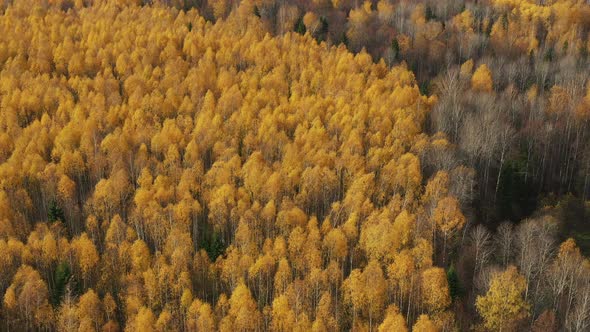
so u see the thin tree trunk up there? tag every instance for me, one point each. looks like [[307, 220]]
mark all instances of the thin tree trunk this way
[[499, 174]]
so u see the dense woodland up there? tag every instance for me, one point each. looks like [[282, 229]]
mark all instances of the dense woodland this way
[[264, 165]]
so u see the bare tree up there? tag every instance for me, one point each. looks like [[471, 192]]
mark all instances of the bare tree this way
[[579, 318], [480, 238], [568, 279], [449, 112], [506, 136], [462, 184], [504, 241], [534, 244]]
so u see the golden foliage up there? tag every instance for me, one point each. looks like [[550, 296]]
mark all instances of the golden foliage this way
[[482, 79], [504, 304]]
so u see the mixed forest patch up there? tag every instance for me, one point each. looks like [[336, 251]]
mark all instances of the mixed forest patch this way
[[294, 165]]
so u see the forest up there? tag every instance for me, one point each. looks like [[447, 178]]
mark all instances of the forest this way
[[303, 165]]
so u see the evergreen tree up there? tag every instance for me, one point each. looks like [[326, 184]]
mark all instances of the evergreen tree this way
[[454, 283], [395, 48], [299, 26], [62, 275], [55, 213]]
